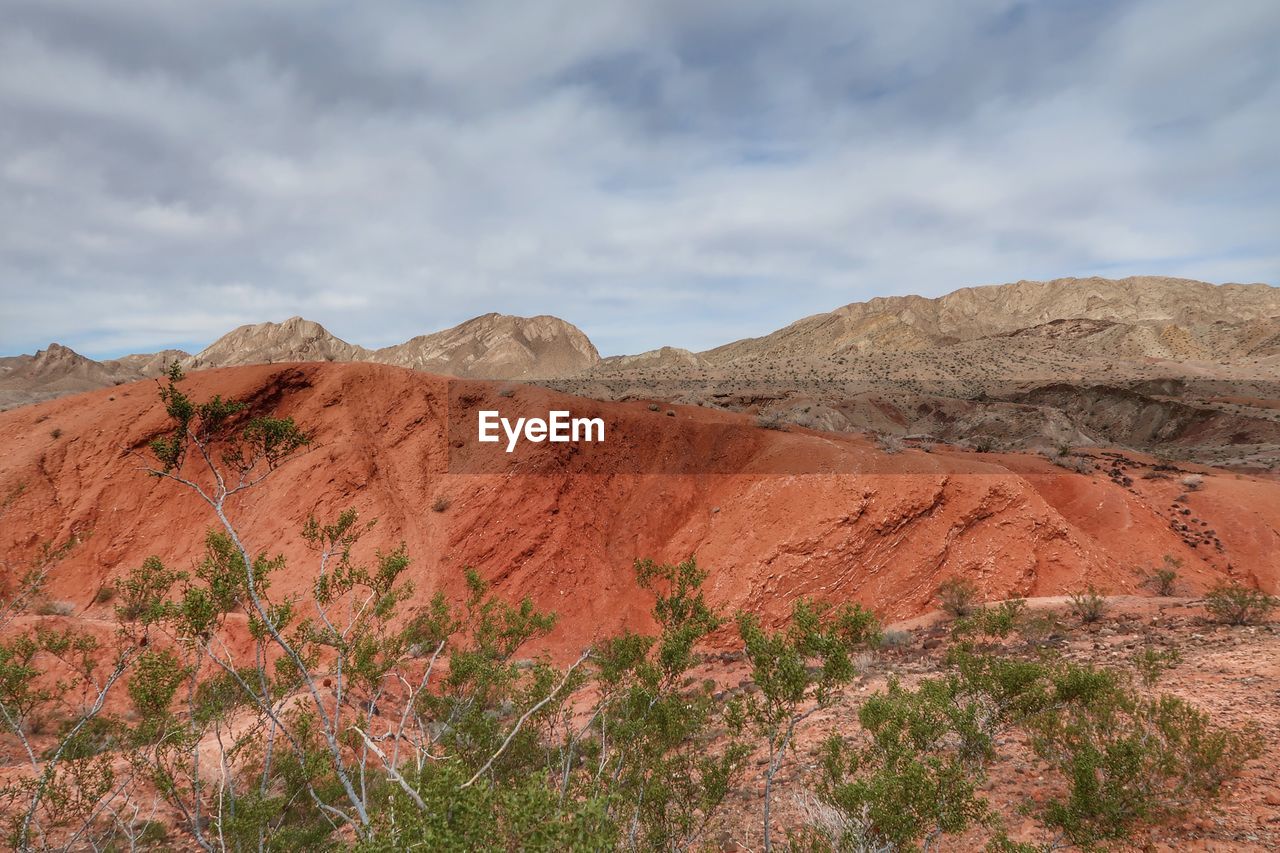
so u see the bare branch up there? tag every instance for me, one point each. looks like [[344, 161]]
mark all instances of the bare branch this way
[[527, 714]]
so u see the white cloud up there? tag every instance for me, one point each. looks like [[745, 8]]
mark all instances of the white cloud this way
[[659, 173]]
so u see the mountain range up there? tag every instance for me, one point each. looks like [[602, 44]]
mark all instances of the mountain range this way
[[1135, 362], [493, 346]]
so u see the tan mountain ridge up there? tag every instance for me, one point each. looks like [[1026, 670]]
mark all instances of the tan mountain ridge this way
[[915, 322], [498, 346], [295, 339], [663, 358], [1149, 362], [492, 346], [59, 370], [147, 364]]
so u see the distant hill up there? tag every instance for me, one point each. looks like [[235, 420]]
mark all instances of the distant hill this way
[[295, 339], [914, 322], [964, 367], [58, 371], [494, 346], [498, 346]]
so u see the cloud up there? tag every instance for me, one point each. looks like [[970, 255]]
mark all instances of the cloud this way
[[658, 173]]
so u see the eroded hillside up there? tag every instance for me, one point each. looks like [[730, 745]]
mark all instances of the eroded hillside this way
[[774, 514]]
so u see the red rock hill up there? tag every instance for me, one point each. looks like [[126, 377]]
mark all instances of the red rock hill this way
[[772, 514]]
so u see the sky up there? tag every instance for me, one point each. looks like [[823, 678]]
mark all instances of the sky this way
[[658, 173]]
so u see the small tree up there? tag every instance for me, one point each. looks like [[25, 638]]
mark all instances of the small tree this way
[[802, 664]]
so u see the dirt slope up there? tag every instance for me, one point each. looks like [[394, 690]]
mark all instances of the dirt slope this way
[[772, 514]]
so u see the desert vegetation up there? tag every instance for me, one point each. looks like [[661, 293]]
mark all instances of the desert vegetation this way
[[215, 714], [1236, 604]]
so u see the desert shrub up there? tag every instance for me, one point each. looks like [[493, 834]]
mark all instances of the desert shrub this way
[[105, 594], [1235, 604], [910, 781], [1163, 581], [1124, 759], [889, 444], [669, 780], [95, 737], [441, 504], [154, 681], [149, 833], [1088, 605], [998, 621], [142, 592], [55, 608], [771, 420], [1070, 461], [958, 596], [1127, 761], [895, 638], [1152, 663], [824, 828], [1040, 627], [654, 407], [524, 813], [803, 663]]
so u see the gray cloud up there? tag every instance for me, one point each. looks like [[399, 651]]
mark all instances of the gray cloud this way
[[655, 172]]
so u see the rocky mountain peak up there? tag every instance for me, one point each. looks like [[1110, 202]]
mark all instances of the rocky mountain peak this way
[[296, 339], [495, 346]]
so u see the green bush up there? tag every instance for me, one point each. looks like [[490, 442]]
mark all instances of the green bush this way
[[1129, 761], [999, 621], [1234, 604], [1163, 581], [908, 782], [1152, 663], [800, 665]]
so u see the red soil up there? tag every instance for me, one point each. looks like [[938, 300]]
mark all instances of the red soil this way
[[773, 515]]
